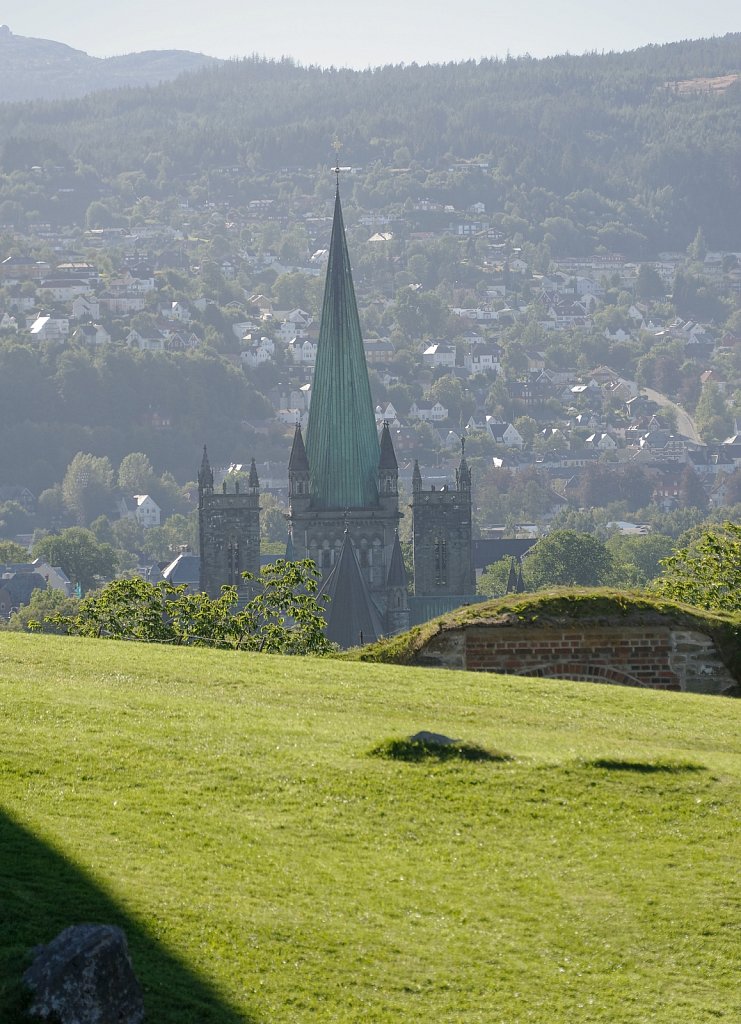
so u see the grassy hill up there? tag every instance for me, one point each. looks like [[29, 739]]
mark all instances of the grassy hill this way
[[225, 809]]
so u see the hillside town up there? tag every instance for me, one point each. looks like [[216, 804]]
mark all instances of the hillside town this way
[[568, 378]]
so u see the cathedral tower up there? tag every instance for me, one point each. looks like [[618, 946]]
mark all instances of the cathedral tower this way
[[343, 493], [442, 532], [229, 530]]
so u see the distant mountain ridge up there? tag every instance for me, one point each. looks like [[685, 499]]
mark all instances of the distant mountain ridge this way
[[34, 69]]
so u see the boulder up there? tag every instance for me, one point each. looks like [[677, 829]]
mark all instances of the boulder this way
[[434, 738], [85, 976]]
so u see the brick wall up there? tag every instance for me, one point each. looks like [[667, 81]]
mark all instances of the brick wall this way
[[659, 657]]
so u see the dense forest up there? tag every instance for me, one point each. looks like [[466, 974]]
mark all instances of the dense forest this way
[[630, 151], [57, 401]]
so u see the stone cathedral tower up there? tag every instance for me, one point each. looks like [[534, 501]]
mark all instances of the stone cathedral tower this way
[[229, 530], [343, 482], [443, 548]]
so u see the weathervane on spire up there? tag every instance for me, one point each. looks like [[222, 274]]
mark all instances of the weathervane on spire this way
[[337, 146]]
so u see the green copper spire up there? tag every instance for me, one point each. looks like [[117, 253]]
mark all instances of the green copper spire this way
[[341, 442]]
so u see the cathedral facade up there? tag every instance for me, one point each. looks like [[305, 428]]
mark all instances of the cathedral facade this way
[[343, 497]]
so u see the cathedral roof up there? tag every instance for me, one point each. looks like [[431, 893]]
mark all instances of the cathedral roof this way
[[342, 443], [351, 613]]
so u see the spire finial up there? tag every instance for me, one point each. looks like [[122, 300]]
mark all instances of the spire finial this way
[[337, 146]]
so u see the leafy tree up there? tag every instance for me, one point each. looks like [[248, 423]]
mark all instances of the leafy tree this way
[[162, 543], [10, 552], [135, 474], [714, 421], [567, 558], [14, 518], [643, 553], [76, 550], [706, 573], [43, 605], [283, 616], [87, 487], [273, 526], [649, 284], [493, 581]]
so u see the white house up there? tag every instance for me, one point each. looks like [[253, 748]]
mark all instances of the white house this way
[[504, 433], [91, 334], [147, 511], [601, 441], [177, 311], [303, 350], [49, 327], [439, 354], [84, 307], [152, 343], [483, 359], [436, 414]]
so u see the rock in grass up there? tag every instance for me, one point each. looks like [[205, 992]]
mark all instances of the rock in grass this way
[[85, 976], [433, 738]]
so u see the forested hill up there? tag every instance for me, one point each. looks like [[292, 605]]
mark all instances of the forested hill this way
[[41, 68], [647, 141]]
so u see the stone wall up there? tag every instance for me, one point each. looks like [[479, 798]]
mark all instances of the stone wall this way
[[656, 656]]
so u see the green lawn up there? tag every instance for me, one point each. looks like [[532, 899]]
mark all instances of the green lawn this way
[[225, 810]]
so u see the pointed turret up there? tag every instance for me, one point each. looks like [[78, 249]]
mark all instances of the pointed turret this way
[[297, 460], [253, 483], [342, 444], [397, 591], [388, 467], [512, 578], [388, 455], [520, 588], [205, 475], [416, 478], [298, 468], [397, 576], [463, 473]]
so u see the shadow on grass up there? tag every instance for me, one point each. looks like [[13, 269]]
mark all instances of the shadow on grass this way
[[645, 767], [41, 893], [425, 750]]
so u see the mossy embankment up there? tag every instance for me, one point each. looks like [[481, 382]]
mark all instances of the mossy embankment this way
[[559, 607]]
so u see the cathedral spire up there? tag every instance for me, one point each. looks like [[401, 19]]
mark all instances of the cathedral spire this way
[[205, 474], [253, 483], [341, 444], [463, 473]]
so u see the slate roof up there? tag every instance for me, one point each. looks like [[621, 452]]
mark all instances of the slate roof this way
[[351, 613]]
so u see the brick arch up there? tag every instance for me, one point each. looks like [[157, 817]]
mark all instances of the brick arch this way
[[585, 673]]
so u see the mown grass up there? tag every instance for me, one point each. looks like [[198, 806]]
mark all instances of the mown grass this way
[[226, 810]]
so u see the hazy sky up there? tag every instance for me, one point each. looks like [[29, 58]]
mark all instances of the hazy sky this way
[[369, 33]]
